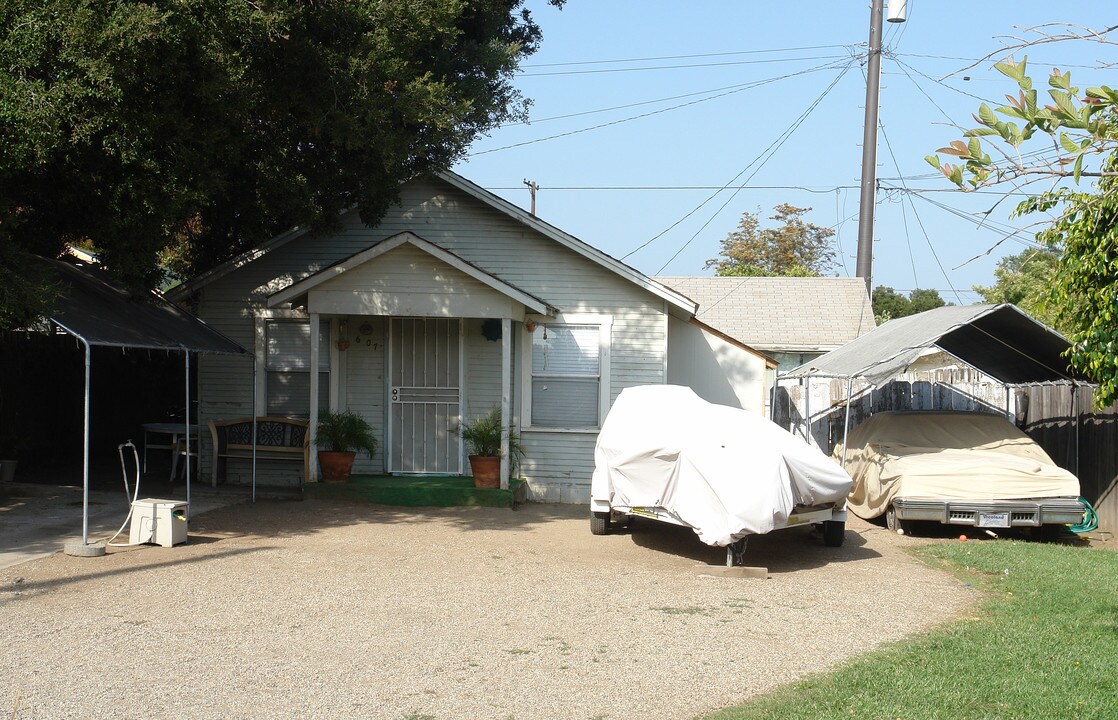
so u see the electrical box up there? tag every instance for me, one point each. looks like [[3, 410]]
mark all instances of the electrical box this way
[[162, 522]]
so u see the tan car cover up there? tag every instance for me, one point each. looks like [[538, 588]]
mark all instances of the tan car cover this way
[[946, 456]]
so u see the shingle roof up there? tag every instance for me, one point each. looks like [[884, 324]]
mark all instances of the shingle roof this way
[[781, 313]]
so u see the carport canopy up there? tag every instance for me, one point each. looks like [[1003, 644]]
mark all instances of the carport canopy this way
[[99, 313], [1000, 341]]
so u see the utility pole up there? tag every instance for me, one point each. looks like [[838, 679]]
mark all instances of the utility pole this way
[[867, 199], [532, 188]]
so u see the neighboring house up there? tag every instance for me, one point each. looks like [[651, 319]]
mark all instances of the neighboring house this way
[[456, 302], [791, 319]]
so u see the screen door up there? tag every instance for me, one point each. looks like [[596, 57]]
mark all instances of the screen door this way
[[425, 395]]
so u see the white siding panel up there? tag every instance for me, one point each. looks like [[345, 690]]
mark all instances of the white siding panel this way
[[718, 371]]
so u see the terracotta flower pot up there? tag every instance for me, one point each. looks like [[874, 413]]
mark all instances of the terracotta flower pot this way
[[487, 471], [335, 466]]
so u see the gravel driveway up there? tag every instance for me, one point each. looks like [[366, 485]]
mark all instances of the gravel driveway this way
[[324, 610]]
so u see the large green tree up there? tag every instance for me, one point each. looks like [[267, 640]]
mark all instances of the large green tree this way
[[793, 248], [184, 131], [1082, 294], [1024, 279]]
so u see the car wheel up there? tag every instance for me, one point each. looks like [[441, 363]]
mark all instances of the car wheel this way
[[891, 518], [599, 523], [834, 533]]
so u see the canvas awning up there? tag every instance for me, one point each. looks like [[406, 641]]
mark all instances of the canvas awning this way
[[998, 340]]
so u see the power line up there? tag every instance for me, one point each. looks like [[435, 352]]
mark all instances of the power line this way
[[687, 57], [771, 150], [818, 189], [919, 222], [747, 86], [625, 107], [680, 67], [720, 189], [904, 214], [903, 64]]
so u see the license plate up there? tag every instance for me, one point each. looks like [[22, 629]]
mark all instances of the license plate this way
[[1000, 520]]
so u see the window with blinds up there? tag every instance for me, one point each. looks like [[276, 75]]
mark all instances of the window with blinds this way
[[566, 376], [288, 368]]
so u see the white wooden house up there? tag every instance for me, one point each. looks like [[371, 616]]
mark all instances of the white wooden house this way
[[456, 302]]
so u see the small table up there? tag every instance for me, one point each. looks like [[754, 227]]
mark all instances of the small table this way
[[175, 430]]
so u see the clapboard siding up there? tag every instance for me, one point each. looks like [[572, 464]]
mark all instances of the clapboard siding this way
[[483, 370], [484, 236], [365, 386]]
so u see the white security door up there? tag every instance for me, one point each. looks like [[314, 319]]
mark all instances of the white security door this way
[[425, 395]]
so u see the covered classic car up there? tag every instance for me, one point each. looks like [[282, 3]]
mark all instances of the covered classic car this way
[[956, 468], [667, 454]]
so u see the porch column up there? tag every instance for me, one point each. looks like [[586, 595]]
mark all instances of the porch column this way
[[506, 399], [313, 426]]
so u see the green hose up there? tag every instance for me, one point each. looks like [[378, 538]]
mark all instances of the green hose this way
[[1090, 519]]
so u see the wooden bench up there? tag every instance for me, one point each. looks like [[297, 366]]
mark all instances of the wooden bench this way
[[277, 438]]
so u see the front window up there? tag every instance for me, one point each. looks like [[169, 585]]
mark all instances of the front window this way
[[288, 378], [566, 375]]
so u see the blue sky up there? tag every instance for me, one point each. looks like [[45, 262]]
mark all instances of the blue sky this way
[[756, 69]]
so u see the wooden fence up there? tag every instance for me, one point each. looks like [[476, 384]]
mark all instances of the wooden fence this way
[[1077, 437]]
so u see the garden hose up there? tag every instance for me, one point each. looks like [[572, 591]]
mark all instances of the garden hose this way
[[1090, 519]]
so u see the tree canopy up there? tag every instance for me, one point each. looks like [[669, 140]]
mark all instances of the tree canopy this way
[[1023, 280], [1082, 292], [888, 304], [182, 133], [793, 248]]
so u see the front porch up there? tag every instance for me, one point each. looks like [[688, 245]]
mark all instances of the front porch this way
[[419, 491]]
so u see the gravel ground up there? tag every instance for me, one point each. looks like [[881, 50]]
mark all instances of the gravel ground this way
[[317, 609]]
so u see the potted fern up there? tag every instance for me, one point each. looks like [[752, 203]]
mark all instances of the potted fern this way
[[482, 436], [342, 434]]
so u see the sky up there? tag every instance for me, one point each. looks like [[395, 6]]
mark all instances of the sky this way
[[648, 117]]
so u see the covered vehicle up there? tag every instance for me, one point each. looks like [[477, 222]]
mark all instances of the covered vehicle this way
[[956, 468], [727, 473]]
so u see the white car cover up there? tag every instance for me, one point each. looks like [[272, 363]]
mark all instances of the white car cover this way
[[725, 472]]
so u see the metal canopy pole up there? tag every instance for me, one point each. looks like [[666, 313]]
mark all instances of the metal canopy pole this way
[[846, 423], [254, 428], [186, 416], [85, 451]]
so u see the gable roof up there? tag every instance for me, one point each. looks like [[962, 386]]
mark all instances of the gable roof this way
[[682, 305], [302, 287], [811, 314], [1001, 341]]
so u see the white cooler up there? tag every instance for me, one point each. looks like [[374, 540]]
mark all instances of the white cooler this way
[[162, 522]]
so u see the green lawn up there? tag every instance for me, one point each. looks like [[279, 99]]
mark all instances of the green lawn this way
[[1044, 645]]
